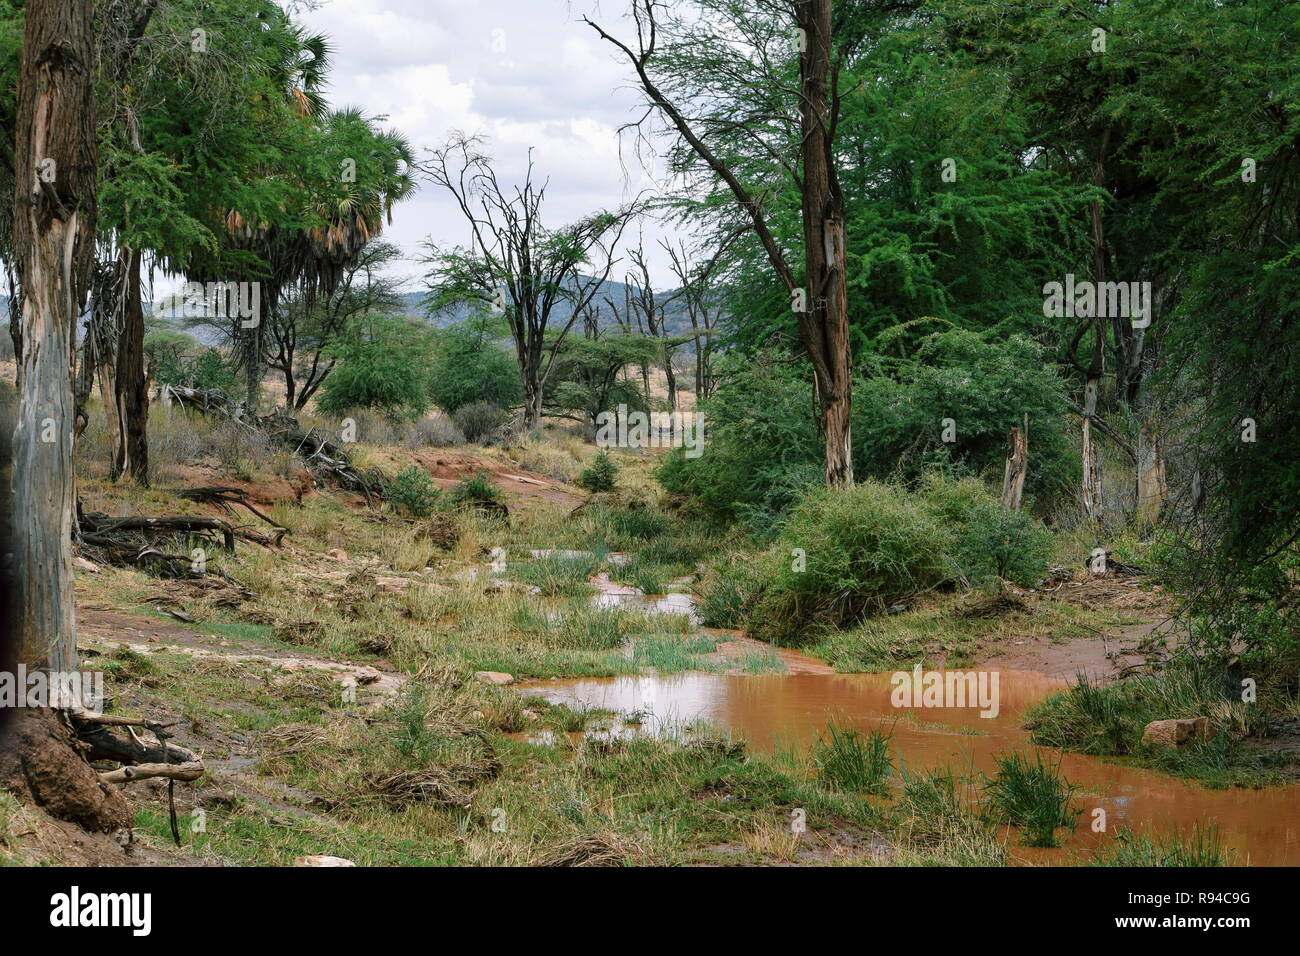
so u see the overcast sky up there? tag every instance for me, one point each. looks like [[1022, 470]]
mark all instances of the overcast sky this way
[[527, 73]]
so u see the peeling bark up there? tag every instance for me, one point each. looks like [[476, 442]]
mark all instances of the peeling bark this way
[[1013, 477], [54, 229]]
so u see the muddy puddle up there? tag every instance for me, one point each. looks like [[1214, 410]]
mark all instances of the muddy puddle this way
[[789, 710]]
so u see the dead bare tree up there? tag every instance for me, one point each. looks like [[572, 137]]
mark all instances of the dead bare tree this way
[[515, 264], [697, 283], [651, 311], [821, 299]]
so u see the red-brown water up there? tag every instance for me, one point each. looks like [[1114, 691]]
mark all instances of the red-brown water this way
[[1261, 826]]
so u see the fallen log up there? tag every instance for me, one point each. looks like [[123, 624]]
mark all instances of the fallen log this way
[[146, 771], [223, 497], [104, 526], [321, 456]]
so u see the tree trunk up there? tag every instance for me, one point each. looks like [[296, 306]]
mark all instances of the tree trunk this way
[[824, 326], [531, 373], [1091, 463], [131, 387], [1152, 489], [1013, 478], [54, 229], [1091, 484]]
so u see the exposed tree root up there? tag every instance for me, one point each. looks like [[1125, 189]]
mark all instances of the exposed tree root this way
[[224, 497]]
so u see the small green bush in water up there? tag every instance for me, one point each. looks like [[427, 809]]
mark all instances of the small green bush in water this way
[[413, 493], [601, 476], [1033, 795]]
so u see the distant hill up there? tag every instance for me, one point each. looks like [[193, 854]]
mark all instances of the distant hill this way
[[678, 321]]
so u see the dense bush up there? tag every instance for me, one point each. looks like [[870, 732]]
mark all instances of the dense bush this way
[[386, 371], [205, 369], [991, 541], [762, 444], [479, 420], [845, 553], [469, 367], [987, 384]]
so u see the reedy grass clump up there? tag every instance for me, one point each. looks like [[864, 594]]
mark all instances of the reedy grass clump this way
[[556, 575], [1108, 720], [1202, 847], [847, 760], [937, 824], [1031, 795]]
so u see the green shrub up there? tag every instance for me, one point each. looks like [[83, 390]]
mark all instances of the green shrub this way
[[764, 446], [470, 367], [388, 372], [601, 476], [476, 490], [205, 369], [479, 420], [412, 492], [845, 553], [992, 542]]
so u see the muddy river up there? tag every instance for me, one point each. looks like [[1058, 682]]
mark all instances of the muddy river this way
[[1261, 826]]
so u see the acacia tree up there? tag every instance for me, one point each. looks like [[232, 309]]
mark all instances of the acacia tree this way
[[302, 333], [542, 279], [715, 68], [54, 229]]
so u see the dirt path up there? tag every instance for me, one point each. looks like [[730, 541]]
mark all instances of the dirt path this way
[[104, 631]]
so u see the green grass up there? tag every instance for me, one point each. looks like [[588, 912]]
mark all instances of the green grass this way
[[759, 662], [1032, 795], [1202, 847], [1108, 720], [847, 760], [556, 576], [937, 824], [667, 653]]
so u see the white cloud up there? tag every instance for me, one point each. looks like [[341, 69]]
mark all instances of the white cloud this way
[[528, 73]]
